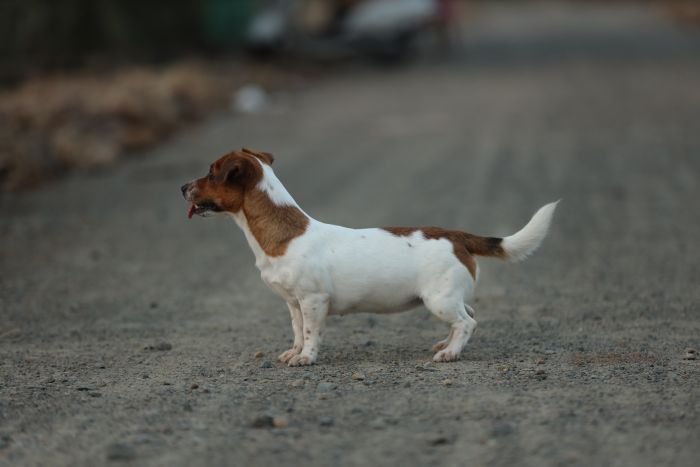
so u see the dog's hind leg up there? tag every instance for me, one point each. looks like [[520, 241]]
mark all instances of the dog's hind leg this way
[[462, 329], [439, 345], [298, 328], [451, 308]]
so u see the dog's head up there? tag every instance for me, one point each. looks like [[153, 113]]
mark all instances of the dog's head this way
[[223, 189]]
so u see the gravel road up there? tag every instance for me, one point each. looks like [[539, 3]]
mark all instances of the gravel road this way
[[130, 335]]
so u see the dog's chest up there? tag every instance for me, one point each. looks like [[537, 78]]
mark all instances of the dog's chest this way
[[280, 277]]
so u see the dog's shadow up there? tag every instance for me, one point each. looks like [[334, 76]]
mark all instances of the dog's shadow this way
[[392, 339]]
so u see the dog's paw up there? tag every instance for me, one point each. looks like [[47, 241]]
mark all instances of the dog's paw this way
[[301, 360], [446, 356], [289, 354], [440, 345]]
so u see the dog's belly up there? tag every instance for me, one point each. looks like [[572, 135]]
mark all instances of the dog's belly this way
[[367, 306]]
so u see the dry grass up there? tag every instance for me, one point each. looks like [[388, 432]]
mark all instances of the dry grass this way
[[81, 120]]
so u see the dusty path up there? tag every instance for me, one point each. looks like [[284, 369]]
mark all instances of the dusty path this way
[[129, 334]]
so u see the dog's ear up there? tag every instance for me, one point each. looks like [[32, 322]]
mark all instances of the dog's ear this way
[[266, 157], [238, 171]]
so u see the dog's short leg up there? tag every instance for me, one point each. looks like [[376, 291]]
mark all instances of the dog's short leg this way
[[297, 327], [439, 345], [314, 309], [463, 326]]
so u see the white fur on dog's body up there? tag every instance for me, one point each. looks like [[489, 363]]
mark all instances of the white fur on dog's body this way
[[331, 269]]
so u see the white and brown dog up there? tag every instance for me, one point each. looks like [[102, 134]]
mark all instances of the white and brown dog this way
[[321, 269]]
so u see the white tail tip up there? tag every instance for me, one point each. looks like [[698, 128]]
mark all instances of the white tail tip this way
[[523, 243]]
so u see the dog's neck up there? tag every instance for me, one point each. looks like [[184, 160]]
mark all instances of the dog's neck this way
[[270, 218]]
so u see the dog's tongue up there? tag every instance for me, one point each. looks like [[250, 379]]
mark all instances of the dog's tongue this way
[[190, 212]]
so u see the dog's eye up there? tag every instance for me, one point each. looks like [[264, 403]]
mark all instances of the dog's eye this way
[[210, 176]]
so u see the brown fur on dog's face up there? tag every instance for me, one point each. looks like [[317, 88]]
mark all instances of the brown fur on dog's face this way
[[232, 186], [228, 180]]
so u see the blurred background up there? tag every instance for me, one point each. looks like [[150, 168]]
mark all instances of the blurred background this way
[[84, 82], [129, 333]]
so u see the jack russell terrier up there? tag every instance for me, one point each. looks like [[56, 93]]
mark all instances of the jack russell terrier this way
[[321, 269]]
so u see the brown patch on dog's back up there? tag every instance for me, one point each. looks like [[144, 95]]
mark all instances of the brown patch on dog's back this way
[[465, 258], [272, 226], [464, 244]]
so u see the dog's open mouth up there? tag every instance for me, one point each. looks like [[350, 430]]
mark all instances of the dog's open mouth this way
[[201, 208]]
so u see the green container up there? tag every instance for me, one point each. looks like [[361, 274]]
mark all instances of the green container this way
[[226, 21]]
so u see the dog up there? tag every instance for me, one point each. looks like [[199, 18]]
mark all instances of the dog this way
[[321, 269]]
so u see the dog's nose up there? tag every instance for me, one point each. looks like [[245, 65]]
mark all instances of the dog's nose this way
[[184, 188]]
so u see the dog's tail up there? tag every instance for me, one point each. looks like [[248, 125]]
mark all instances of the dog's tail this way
[[518, 246]]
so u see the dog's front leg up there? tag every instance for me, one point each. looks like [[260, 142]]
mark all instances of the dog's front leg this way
[[297, 326], [314, 309]]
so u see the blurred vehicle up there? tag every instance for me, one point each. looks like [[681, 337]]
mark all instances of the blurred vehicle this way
[[383, 29]]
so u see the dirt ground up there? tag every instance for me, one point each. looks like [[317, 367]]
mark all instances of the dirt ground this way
[[128, 334]]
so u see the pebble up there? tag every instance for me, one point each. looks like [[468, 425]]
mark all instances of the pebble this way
[[120, 452], [358, 376], [541, 361], [448, 382], [194, 386], [280, 422], [263, 421], [502, 429], [266, 364], [161, 346], [690, 354], [268, 421], [326, 386], [440, 440], [259, 354], [326, 421]]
